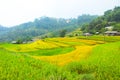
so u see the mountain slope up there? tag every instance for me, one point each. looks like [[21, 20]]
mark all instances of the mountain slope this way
[[43, 26], [110, 18], [2, 28]]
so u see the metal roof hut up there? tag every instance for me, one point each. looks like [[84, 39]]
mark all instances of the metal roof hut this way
[[14, 42], [112, 33], [87, 34]]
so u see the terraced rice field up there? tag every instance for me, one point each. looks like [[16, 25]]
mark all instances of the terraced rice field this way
[[39, 44], [61, 59], [80, 52], [82, 49]]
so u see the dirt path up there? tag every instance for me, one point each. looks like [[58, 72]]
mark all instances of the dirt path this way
[[79, 53]]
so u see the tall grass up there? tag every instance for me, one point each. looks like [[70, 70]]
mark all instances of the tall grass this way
[[103, 63], [14, 66]]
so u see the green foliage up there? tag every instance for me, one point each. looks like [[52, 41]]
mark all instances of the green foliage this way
[[63, 33], [19, 41], [117, 27], [42, 26], [85, 18], [110, 18], [76, 32]]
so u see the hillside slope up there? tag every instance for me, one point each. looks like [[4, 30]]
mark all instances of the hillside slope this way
[[110, 18], [42, 26]]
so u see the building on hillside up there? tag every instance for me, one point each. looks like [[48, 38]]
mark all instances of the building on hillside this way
[[97, 33], [87, 34], [109, 28], [14, 42], [30, 41], [112, 33]]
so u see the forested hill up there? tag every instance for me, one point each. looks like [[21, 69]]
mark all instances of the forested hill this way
[[2, 28], [110, 18], [42, 26]]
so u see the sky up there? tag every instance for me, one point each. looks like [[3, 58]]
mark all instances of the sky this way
[[15, 12]]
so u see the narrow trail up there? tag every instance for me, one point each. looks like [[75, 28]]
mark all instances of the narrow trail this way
[[81, 52]]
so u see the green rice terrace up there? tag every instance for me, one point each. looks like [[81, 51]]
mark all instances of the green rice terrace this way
[[75, 58]]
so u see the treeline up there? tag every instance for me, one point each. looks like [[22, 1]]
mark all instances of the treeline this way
[[110, 18], [45, 26]]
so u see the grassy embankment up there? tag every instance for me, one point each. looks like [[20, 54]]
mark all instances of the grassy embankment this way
[[101, 38]]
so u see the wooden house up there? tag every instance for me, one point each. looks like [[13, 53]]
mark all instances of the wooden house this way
[[112, 33]]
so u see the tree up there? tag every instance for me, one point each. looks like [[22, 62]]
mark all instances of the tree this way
[[62, 33], [117, 27], [110, 18], [19, 41]]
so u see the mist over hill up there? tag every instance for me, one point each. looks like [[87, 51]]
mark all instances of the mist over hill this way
[[51, 27], [3, 28], [41, 26]]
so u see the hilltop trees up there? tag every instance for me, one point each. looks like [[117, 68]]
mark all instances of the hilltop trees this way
[[44, 25], [85, 18], [110, 18]]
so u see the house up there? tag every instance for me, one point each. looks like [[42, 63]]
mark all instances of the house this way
[[87, 34], [14, 42], [32, 40], [109, 28], [112, 33]]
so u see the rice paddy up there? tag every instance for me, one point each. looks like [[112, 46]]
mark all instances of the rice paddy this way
[[39, 44], [61, 59], [80, 52]]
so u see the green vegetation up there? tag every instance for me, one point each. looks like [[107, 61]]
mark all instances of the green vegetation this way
[[88, 57], [14, 66], [50, 52], [101, 64], [110, 18], [43, 27], [101, 38], [62, 33]]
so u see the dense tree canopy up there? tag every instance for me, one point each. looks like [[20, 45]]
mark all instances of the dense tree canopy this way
[[110, 18]]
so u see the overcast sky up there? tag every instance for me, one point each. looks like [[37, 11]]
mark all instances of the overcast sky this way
[[14, 12]]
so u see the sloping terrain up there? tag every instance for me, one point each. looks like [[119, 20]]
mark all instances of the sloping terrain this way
[[80, 52], [90, 60]]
